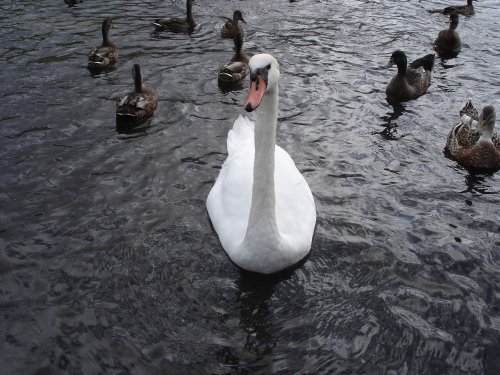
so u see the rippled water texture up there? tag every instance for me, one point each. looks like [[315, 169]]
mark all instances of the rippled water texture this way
[[108, 261]]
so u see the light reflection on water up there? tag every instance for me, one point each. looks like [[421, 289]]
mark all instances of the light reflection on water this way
[[109, 261]]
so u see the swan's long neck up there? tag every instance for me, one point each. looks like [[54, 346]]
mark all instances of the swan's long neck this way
[[262, 219]]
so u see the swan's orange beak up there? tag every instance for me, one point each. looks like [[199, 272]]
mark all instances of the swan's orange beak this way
[[255, 93]]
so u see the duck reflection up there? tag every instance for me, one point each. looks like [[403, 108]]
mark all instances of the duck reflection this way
[[125, 126], [390, 127], [475, 183], [226, 88]]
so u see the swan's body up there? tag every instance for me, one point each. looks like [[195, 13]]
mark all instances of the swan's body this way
[[178, 25], [473, 142], [261, 206], [105, 55], [412, 80], [447, 44], [139, 104], [231, 27]]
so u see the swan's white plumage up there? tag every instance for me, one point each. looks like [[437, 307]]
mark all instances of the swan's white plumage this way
[[230, 200]]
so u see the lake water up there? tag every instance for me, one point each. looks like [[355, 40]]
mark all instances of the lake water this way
[[108, 261]]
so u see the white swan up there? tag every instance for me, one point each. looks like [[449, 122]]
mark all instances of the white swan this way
[[263, 211]]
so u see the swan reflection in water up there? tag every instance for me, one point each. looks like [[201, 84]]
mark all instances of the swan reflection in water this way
[[256, 321]]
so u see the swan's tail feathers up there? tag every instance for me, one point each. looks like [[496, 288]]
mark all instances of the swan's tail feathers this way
[[242, 130]]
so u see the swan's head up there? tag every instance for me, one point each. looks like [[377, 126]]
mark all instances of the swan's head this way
[[487, 121], [264, 76]]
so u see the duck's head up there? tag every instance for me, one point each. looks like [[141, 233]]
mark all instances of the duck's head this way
[[453, 20], [264, 76], [238, 16], [107, 24], [487, 121], [397, 58], [189, 3]]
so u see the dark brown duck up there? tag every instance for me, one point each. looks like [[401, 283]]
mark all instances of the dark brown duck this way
[[178, 25], [139, 104], [106, 54], [231, 27], [412, 80]]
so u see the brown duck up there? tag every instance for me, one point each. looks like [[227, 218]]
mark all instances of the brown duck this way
[[139, 104], [473, 143], [412, 80], [178, 25], [237, 68], [464, 10], [106, 54], [447, 44], [231, 27]]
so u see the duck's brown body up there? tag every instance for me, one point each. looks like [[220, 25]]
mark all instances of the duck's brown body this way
[[468, 147], [464, 10], [105, 55], [231, 27], [412, 80], [237, 68], [447, 44], [178, 25], [139, 104]]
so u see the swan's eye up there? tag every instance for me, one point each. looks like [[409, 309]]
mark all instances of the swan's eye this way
[[268, 67]]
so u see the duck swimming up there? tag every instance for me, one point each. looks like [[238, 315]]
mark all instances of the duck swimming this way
[[447, 44], [72, 3], [473, 143], [260, 205], [464, 10], [178, 25], [139, 104], [106, 54], [236, 69], [231, 27], [411, 80]]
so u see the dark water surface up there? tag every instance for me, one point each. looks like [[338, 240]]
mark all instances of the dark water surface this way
[[108, 262]]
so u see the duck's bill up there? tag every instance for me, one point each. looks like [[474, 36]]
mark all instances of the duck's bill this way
[[255, 93], [389, 64]]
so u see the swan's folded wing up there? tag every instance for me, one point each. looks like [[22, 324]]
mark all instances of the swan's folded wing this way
[[242, 131], [229, 201], [295, 208]]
